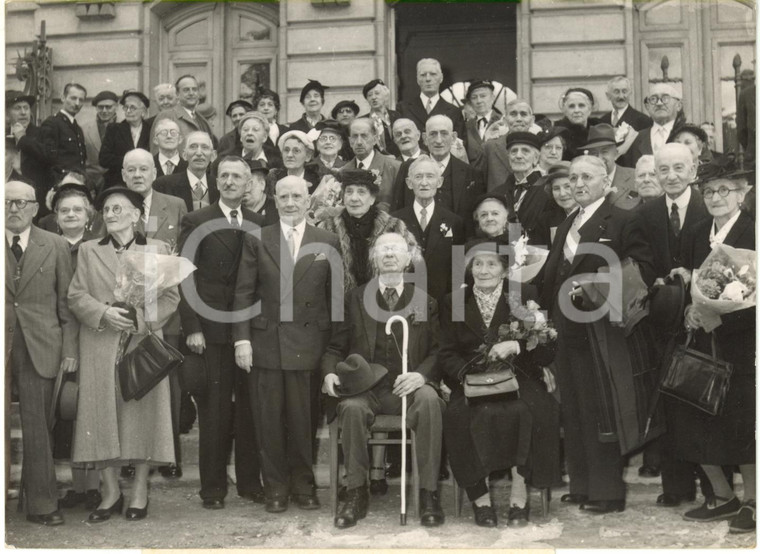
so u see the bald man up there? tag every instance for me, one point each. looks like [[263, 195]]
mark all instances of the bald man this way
[[663, 105], [41, 339], [288, 272]]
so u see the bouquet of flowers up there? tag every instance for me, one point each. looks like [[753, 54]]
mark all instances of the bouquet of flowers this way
[[326, 201], [725, 282], [528, 260], [141, 276], [528, 323]]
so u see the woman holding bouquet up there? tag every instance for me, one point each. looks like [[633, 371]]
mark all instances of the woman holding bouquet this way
[[517, 430], [727, 439], [111, 432]]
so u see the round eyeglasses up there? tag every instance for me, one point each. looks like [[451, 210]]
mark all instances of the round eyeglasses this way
[[20, 203], [722, 192]]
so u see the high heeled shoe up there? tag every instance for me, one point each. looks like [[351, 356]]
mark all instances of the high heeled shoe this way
[[136, 514], [104, 514]]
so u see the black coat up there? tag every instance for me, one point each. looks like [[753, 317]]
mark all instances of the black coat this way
[[444, 229], [525, 429], [217, 258], [632, 117], [390, 146], [177, 184], [576, 136], [301, 124], [274, 158], [311, 174], [116, 143], [655, 222], [62, 148]]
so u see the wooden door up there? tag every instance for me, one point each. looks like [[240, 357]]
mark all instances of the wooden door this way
[[230, 47]]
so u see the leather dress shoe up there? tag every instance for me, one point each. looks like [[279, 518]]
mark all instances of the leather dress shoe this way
[[355, 508], [306, 501], [518, 517], [746, 520], [213, 503], [378, 487], [573, 498], [172, 471], [649, 471], [431, 514], [276, 505], [136, 514], [672, 500], [53, 518], [71, 499], [714, 512], [104, 514], [92, 499], [485, 516], [256, 496], [603, 506]]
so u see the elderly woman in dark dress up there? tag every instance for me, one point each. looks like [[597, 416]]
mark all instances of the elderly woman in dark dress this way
[[125, 136], [297, 151], [577, 104], [515, 430], [727, 439], [109, 431]]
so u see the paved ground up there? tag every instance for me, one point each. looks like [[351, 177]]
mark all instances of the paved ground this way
[[177, 520]]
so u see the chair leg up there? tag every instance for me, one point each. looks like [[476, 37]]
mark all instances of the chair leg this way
[[334, 441]]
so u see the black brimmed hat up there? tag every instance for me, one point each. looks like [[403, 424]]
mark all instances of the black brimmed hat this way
[[138, 94], [369, 86], [135, 198], [475, 85], [358, 177], [522, 137], [600, 135], [241, 103], [345, 104], [14, 96], [104, 95], [357, 375], [313, 85]]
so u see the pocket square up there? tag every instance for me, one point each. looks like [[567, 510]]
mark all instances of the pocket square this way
[[171, 226], [448, 234], [605, 240]]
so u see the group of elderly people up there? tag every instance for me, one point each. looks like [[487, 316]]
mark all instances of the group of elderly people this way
[[422, 223]]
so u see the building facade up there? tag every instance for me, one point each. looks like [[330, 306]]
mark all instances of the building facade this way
[[536, 48]]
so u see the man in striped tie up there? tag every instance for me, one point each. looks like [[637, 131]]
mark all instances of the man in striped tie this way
[[596, 235]]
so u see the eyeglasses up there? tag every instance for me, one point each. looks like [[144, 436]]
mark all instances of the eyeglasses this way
[[167, 133], [328, 138], [722, 192], [20, 204], [116, 209], [665, 99], [131, 108]]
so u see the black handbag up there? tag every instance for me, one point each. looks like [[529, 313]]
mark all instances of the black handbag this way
[[698, 379], [144, 367], [491, 382]]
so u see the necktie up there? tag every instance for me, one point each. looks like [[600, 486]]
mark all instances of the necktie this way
[[169, 167], [429, 105], [292, 242], [675, 219], [482, 126], [573, 237], [234, 218], [198, 193], [423, 218], [16, 248], [391, 297], [659, 139], [359, 165], [615, 117]]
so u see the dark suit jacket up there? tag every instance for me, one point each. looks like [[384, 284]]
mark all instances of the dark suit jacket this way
[[444, 229], [301, 124], [357, 333], [414, 110], [62, 147], [655, 222], [36, 303], [274, 158], [390, 146], [33, 160], [474, 142], [187, 125], [217, 258], [737, 333], [632, 117], [310, 174], [494, 162], [615, 228], [177, 184], [296, 342], [625, 196], [116, 143], [465, 182], [168, 212], [640, 146], [181, 167], [269, 212]]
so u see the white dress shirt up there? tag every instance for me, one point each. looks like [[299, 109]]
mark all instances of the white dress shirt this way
[[136, 131], [682, 202], [68, 116], [417, 207], [163, 159], [193, 180], [659, 134], [399, 288], [617, 115], [589, 210], [443, 164], [146, 205], [297, 236], [366, 162], [412, 157], [433, 100], [261, 156], [23, 240], [226, 210]]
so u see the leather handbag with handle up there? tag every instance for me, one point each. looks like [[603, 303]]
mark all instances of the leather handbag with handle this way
[[144, 367], [499, 378], [697, 378]]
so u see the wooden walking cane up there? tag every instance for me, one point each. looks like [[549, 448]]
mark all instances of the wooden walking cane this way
[[404, 356]]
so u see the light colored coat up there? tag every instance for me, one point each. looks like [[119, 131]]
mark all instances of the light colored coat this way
[[108, 428]]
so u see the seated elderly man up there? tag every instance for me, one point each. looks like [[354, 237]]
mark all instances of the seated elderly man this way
[[362, 338]]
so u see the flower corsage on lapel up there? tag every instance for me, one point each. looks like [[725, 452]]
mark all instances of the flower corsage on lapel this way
[[445, 230]]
